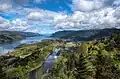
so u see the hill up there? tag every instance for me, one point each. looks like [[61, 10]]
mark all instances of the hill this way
[[98, 59], [10, 36], [84, 35]]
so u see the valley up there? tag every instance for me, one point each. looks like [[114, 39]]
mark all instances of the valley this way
[[57, 58]]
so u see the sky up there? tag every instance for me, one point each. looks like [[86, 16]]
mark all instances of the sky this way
[[48, 16]]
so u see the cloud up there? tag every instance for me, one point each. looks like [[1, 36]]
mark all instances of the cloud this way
[[4, 23], [91, 14], [87, 14], [31, 17], [90, 5], [4, 7], [117, 13], [15, 25], [18, 22], [39, 1], [103, 18], [116, 2], [2, 20], [87, 5], [43, 17], [35, 16]]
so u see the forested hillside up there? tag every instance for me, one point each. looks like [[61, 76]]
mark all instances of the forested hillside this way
[[98, 59], [10, 36], [26, 58], [84, 35]]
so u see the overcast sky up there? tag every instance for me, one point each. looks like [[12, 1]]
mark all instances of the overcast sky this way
[[47, 16]]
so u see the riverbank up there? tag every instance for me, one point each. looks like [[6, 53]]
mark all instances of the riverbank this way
[[26, 58], [9, 47], [38, 72], [11, 36]]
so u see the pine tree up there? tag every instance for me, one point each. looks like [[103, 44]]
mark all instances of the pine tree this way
[[2, 74], [81, 68]]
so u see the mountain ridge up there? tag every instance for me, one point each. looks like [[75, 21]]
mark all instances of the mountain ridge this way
[[10, 36], [84, 35]]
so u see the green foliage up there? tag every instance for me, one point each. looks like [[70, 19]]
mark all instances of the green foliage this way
[[2, 74], [11, 36], [99, 59], [27, 58], [72, 67], [85, 35]]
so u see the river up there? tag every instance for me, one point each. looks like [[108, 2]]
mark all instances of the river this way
[[9, 47], [48, 63]]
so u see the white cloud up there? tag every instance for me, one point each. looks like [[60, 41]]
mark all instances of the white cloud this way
[[117, 13], [4, 23], [15, 25], [39, 1], [2, 20], [18, 22], [4, 7], [87, 14], [116, 2], [44, 17], [19, 25], [103, 18], [35, 16], [88, 5]]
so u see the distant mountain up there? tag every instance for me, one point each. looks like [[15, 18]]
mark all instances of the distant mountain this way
[[10, 36], [84, 35]]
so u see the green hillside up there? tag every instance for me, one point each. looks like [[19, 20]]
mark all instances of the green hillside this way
[[98, 59], [84, 35], [10, 36], [19, 63]]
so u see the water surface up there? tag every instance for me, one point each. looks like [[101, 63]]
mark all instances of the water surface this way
[[9, 47]]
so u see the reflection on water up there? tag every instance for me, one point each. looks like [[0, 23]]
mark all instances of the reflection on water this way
[[5, 48]]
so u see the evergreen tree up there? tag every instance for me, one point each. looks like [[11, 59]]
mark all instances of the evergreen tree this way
[[81, 68], [2, 74]]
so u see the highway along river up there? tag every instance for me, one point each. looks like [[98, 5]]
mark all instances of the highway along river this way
[[48, 63]]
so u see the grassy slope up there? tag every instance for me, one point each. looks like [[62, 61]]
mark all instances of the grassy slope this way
[[27, 58]]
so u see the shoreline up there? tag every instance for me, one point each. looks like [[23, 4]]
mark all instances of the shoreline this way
[[20, 55]]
